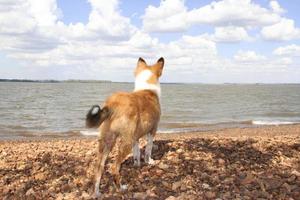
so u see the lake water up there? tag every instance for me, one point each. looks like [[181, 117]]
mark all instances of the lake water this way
[[59, 109]]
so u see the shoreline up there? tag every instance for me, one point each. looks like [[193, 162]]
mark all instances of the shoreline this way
[[74, 135], [246, 163]]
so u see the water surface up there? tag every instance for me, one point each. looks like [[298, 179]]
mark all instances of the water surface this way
[[58, 109]]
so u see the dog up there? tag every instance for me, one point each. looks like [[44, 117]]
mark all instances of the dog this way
[[128, 117]]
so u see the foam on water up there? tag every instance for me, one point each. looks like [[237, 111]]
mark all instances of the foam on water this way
[[89, 133], [260, 122]]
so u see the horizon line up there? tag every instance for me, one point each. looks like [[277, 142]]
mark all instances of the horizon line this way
[[110, 81]]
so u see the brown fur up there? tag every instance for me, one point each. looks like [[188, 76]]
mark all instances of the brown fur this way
[[132, 116]]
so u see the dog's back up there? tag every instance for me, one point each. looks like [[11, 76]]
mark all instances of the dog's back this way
[[138, 112]]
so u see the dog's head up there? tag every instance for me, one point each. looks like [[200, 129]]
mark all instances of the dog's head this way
[[149, 73]]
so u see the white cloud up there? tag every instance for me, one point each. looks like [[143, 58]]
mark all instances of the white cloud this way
[[289, 50], [41, 32], [248, 57], [11, 13], [230, 34], [283, 30], [170, 16], [105, 20], [191, 52], [107, 47], [234, 13], [252, 62], [276, 7]]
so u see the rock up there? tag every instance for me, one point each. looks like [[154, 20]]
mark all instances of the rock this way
[[204, 176], [295, 172], [65, 188], [51, 189], [292, 178], [249, 179], [85, 195], [263, 194], [166, 184], [273, 183], [46, 157], [179, 151], [150, 193], [22, 167], [159, 172], [89, 153], [287, 187], [139, 195], [183, 187], [40, 176], [30, 192], [205, 186], [163, 166], [71, 195], [171, 175], [210, 195], [221, 161], [176, 185], [171, 198]]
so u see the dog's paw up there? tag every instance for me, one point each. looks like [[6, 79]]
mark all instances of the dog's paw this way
[[96, 195], [136, 164], [151, 161], [123, 187]]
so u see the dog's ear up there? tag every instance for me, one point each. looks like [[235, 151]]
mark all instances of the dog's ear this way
[[161, 61], [141, 62], [160, 65], [141, 65]]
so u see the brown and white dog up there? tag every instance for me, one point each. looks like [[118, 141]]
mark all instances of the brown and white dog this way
[[128, 117]]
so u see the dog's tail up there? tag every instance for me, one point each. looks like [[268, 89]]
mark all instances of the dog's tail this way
[[96, 116]]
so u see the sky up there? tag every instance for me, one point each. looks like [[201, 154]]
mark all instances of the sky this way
[[225, 41]]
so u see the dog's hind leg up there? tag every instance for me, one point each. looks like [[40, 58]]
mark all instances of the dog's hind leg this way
[[124, 150], [136, 154], [148, 150], [105, 145]]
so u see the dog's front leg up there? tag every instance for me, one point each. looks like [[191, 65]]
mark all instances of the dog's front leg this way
[[136, 154], [148, 150]]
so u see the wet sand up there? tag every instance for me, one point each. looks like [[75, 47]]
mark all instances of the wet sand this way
[[249, 163]]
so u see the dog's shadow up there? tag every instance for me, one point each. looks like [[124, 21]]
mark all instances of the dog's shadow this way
[[234, 158], [67, 172], [159, 149]]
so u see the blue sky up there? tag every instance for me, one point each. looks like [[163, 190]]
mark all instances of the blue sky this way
[[202, 41]]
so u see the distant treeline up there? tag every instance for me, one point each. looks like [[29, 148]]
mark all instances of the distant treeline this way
[[28, 81], [54, 81]]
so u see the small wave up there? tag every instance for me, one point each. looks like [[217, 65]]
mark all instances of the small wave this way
[[259, 122], [89, 133], [172, 131]]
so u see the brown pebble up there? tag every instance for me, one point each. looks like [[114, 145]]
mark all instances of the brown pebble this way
[[176, 185], [139, 195], [210, 195], [30, 192]]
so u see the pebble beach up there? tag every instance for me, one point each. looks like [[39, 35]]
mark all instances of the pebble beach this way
[[236, 163]]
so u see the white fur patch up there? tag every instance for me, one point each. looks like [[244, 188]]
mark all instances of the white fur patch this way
[[95, 110], [148, 150], [136, 154], [151, 161], [123, 187], [142, 84]]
